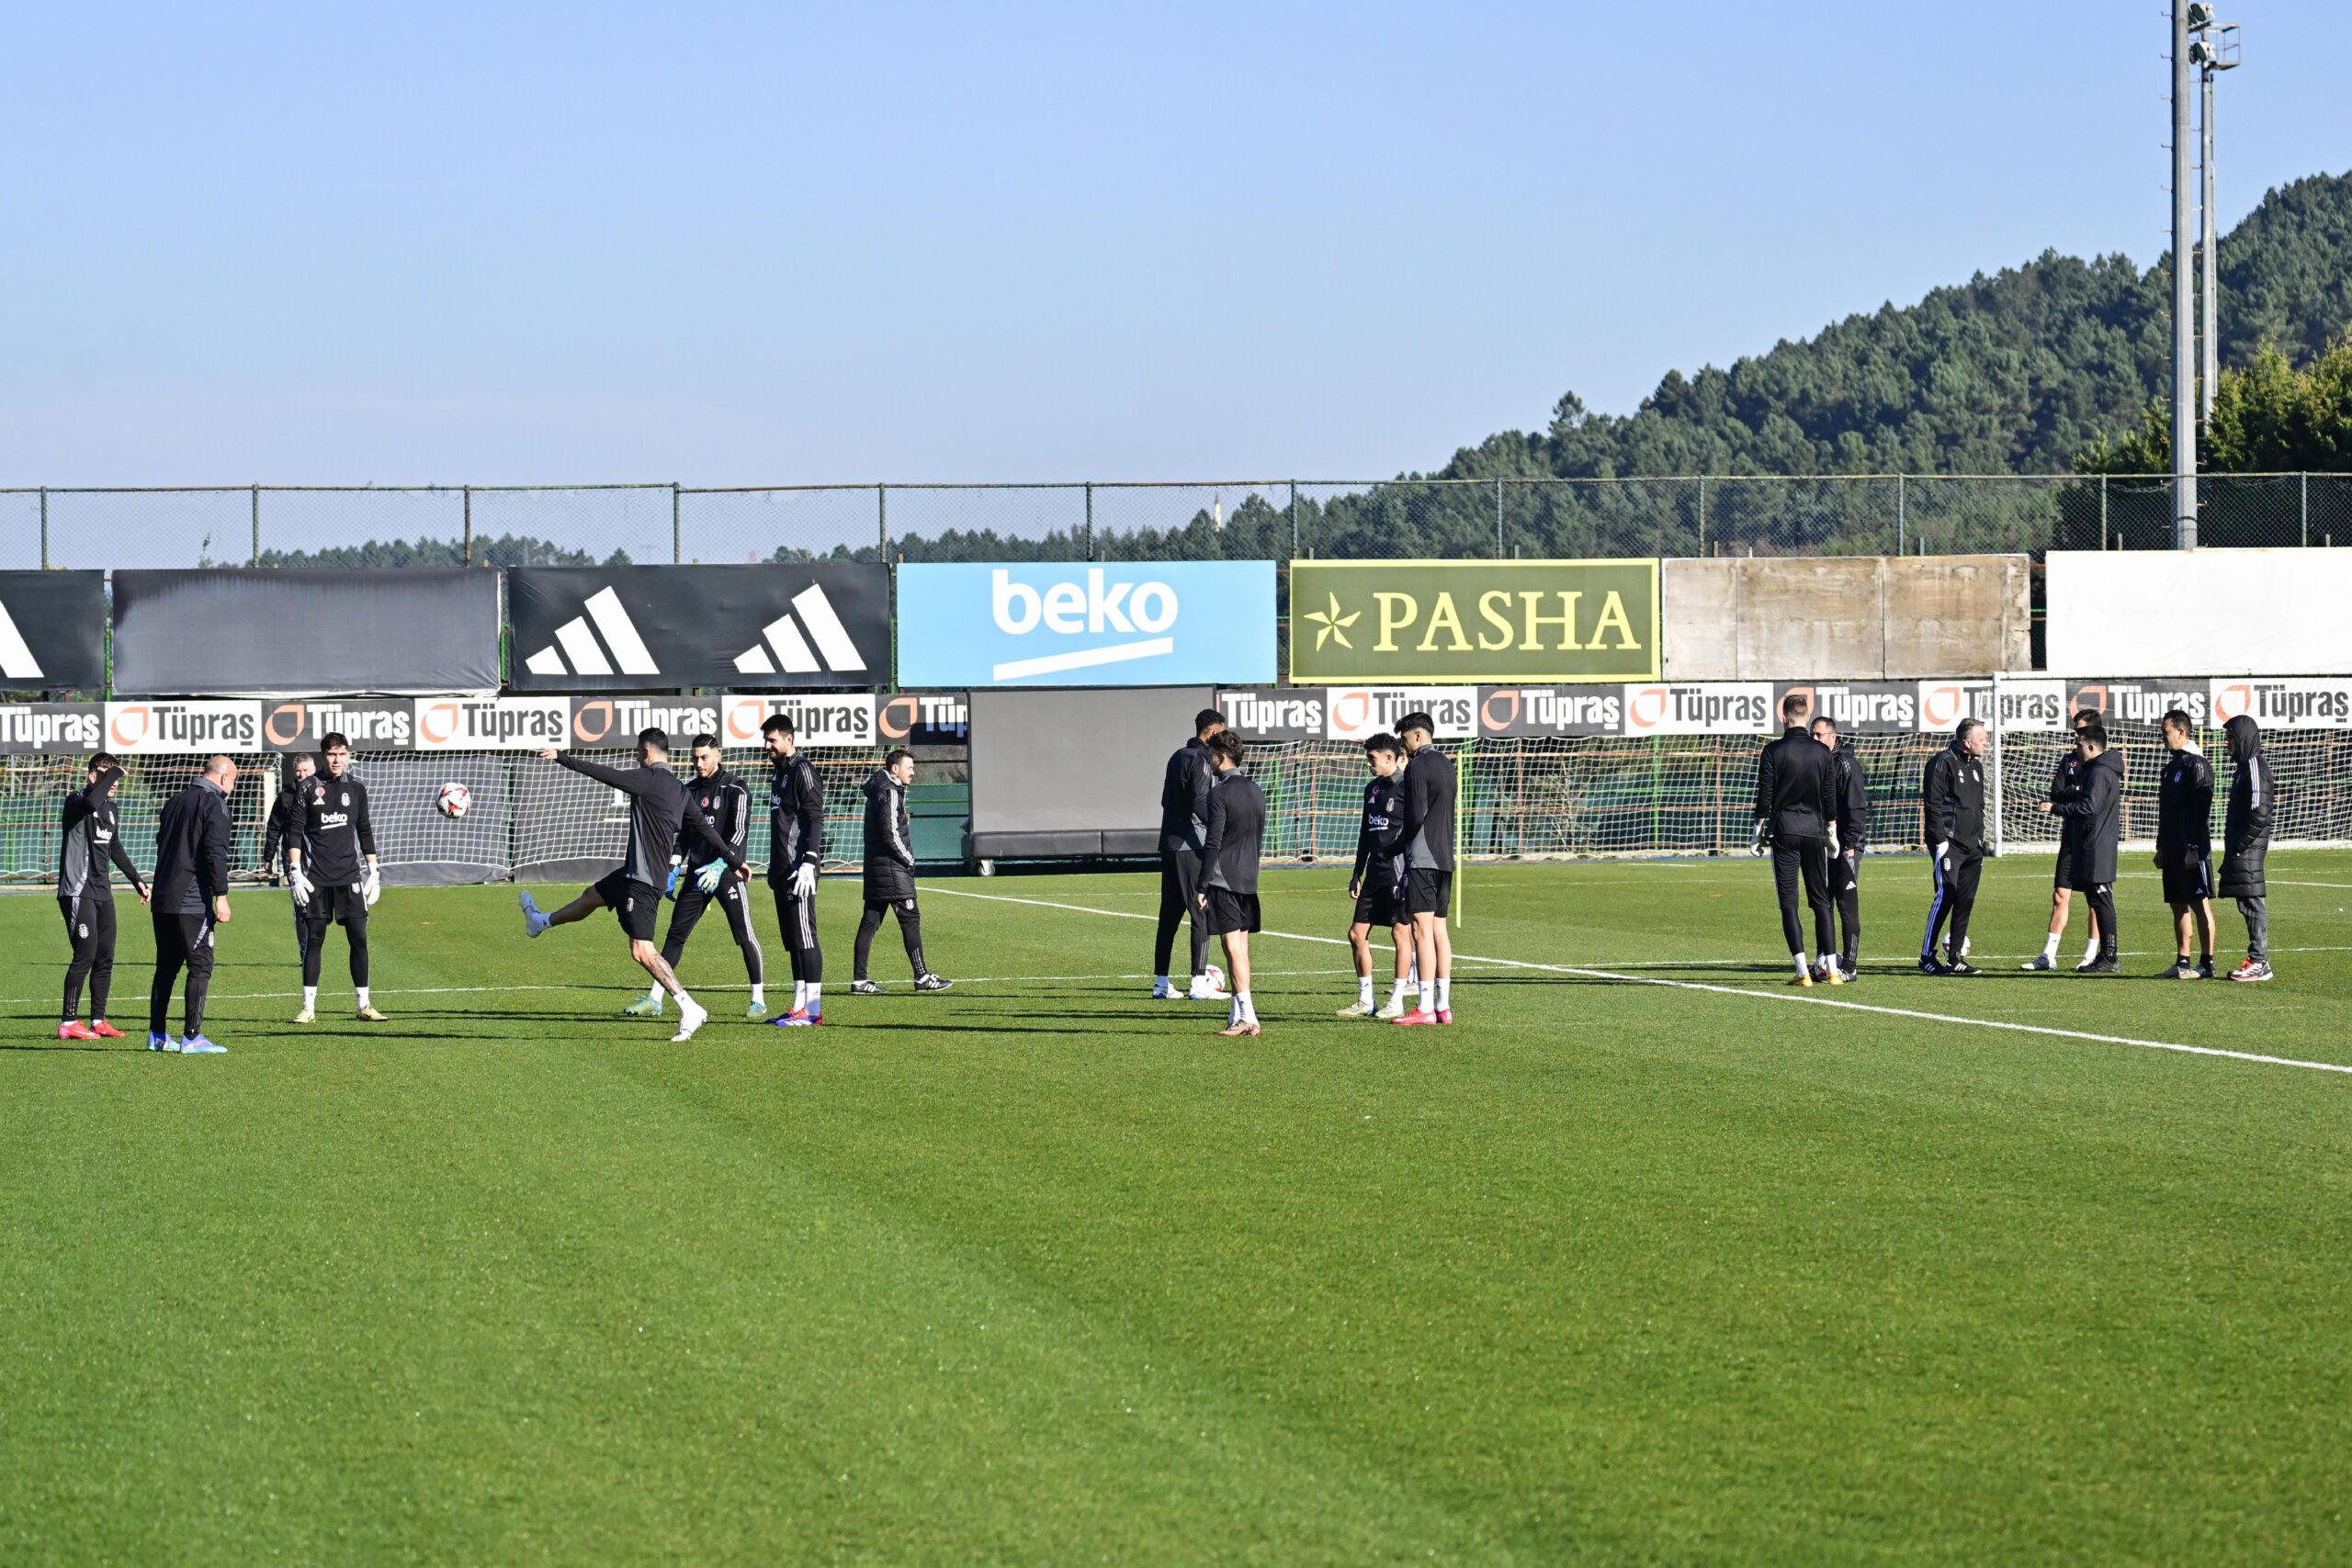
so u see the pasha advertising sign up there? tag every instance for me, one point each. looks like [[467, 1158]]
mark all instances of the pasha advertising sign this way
[[1549, 620]]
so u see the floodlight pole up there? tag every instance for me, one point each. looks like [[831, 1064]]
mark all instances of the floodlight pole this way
[[2183, 299], [2208, 265]]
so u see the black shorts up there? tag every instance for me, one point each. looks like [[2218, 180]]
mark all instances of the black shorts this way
[[1377, 903], [1428, 893], [633, 903], [2188, 884], [1230, 911], [2065, 874], [343, 907]]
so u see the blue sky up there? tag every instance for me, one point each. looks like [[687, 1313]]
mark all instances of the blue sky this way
[[737, 244]]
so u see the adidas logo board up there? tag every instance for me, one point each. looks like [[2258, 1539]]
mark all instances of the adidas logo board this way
[[624, 629], [52, 631]]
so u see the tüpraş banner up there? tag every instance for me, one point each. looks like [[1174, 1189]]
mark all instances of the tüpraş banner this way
[[492, 724], [1549, 620], [202, 728], [818, 720], [2306, 702], [627, 629], [924, 718], [1551, 710], [53, 631], [2139, 702], [268, 632], [1711, 707], [1086, 624], [303, 724], [1359, 713], [52, 726]]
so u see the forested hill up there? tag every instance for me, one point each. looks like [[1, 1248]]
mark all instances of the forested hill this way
[[2015, 373]]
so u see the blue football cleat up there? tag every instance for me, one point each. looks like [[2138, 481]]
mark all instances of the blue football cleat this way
[[797, 1020], [198, 1046], [161, 1042]]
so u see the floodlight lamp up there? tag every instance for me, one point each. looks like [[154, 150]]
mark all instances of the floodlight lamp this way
[[2200, 16]]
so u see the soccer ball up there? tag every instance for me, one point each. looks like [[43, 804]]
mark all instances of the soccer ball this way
[[1216, 976], [455, 799]]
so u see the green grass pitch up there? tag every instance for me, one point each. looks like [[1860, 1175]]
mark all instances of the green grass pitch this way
[[1042, 1272]]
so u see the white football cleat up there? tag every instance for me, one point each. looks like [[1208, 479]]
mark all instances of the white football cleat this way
[[2040, 961], [1166, 991], [691, 1017]]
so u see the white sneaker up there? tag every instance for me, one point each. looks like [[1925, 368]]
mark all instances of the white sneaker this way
[[2040, 961], [1356, 1009], [307, 1015], [1395, 1010], [534, 921], [1166, 991], [1206, 991], [691, 1017]]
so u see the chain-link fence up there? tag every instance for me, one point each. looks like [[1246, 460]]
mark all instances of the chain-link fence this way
[[1256, 519]]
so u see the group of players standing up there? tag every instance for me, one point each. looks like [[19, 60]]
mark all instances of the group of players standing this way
[[1813, 816], [322, 824], [1212, 829]]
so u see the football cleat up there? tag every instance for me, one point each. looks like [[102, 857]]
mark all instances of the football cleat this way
[[1803, 978], [306, 1016], [1357, 1009], [2040, 961], [1959, 965], [2103, 964], [1166, 991], [797, 1019], [535, 920], [2088, 965], [934, 983], [691, 1017], [1207, 990], [1927, 964], [368, 1015], [1445, 1015], [864, 988], [104, 1030], [1392, 1012], [74, 1029], [2180, 969], [1833, 976], [1415, 1018], [756, 1012], [161, 1042], [2205, 968], [644, 1006], [198, 1046], [1246, 1030], [2252, 970]]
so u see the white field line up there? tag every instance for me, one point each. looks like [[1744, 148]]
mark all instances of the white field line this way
[[1771, 996]]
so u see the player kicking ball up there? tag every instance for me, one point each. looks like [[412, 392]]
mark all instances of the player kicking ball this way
[[1227, 896], [657, 802], [728, 802], [1377, 880]]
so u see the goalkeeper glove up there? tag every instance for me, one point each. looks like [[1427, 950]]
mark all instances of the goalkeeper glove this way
[[371, 887], [1761, 839], [804, 880], [299, 881], [707, 878]]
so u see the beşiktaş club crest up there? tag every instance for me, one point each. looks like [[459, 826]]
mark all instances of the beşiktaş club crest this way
[[620, 629]]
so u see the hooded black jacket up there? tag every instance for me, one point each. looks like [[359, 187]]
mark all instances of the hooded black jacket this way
[[2093, 820], [2245, 825], [1796, 787], [890, 840], [1184, 799]]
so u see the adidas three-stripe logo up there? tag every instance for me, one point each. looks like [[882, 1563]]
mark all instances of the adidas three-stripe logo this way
[[792, 651], [577, 652], [17, 660]]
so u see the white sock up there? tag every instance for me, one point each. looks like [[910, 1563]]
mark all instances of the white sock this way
[[1397, 993], [2049, 948], [759, 995], [363, 995], [800, 996], [1444, 995], [310, 996], [1413, 968], [1249, 1008], [685, 1002], [2090, 950], [816, 996], [1363, 990], [1829, 961], [1798, 959]]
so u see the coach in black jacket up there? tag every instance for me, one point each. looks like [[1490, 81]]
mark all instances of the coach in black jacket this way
[[191, 900], [1796, 800], [2245, 839], [2185, 843], [1183, 825], [891, 871], [2093, 830], [1952, 803]]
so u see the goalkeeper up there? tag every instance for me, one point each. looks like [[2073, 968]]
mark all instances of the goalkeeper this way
[[658, 801], [331, 866], [726, 801], [796, 851]]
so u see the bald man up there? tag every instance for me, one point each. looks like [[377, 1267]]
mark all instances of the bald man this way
[[191, 900]]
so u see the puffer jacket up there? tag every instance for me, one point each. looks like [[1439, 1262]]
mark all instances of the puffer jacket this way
[[890, 845], [2245, 825]]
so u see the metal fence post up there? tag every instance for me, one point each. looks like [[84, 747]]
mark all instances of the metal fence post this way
[[256, 555], [1293, 519], [468, 555], [2303, 506], [2102, 512], [1089, 520], [1498, 516], [44, 527], [677, 533], [882, 517], [1703, 515], [1901, 519]]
